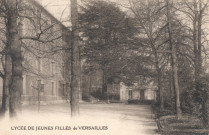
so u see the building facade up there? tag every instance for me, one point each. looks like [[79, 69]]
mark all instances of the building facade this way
[[137, 92], [44, 80], [43, 39]]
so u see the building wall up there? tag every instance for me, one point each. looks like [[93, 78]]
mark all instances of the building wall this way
[[49, 72], [46, 67], [52, 90], [133, 93], [36, 68], [150, 94], [123, 92]]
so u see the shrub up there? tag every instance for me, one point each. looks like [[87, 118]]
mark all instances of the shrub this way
[[99, 95], [141, 102]]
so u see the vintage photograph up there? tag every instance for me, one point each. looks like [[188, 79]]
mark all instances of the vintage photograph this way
[[104, 67]]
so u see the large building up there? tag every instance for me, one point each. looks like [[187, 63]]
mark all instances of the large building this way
[[48, 66], [43, 39]]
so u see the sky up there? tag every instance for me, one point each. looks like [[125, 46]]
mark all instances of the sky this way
[[61, 8]]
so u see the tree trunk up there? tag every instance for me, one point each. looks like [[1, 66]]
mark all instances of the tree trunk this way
[[195, 42], [67, 62], [104, 85], [205, 112], [15, 52], [80, 76], [90, 86], [6, 85], [75, 63], [171, 85], [3, 105], [174, 61], [160, 97], [161, 92], [199, 64], [199, 35]]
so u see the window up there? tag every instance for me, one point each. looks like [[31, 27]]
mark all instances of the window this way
[[53, 68], [130, 94], [63, 71], [40, 85], [52, 88], [63, 89], [38, 64], [142, 95], [122, 96]]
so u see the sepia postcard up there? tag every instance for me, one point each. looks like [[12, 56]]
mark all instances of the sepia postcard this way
[[104, 67]]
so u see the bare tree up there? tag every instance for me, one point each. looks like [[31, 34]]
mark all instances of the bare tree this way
[[75, 62], [174, 61], [195, 13], [16, 57], [6, 73], [149, 19], [43, 40]]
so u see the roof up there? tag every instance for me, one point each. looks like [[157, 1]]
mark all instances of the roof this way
[[43, 10]]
